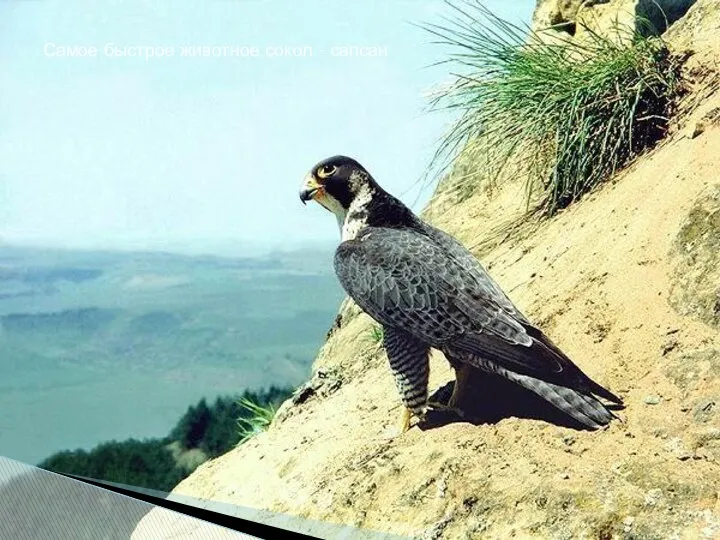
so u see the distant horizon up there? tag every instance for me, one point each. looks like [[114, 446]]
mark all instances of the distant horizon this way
[[229, 248]]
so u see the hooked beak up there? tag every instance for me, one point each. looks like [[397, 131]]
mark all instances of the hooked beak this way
[[310, 189]]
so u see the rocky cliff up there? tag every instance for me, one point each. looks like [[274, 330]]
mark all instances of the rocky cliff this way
[[625, 281]]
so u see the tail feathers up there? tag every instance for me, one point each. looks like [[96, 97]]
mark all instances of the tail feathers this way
[[541, 360], [583, 379], [582, 407]]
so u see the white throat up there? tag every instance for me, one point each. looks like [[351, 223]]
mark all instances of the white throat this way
[[354, 219], [351, 220]]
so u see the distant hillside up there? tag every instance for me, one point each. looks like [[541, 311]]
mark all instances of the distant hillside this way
[[126, 339], [160, 463]]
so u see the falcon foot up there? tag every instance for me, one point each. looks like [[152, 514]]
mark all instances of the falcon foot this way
[[402, 426], [437, 406]]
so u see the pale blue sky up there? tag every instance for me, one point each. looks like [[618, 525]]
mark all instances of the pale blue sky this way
[[197, 153]]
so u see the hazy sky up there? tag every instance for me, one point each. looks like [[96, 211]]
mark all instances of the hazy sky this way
[[194, 153]]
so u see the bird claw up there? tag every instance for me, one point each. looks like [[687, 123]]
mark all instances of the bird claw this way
[[402, 426], [437, 406]]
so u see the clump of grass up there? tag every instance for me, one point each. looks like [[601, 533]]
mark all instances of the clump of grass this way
[[565, 114], [255, 418], [376, 334]]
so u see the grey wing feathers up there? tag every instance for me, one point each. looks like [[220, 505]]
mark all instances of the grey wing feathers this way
[[402, 278], [405, 279], [470, 263]]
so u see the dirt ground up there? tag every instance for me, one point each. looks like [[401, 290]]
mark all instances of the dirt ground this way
[[597, 279]]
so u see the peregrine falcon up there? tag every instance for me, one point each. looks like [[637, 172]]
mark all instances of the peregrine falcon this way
[[428, 291]]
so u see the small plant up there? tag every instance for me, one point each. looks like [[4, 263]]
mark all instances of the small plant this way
[[564, 114], [254, 419], [376, 334]]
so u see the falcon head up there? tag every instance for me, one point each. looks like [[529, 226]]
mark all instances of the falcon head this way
[[336, 183]]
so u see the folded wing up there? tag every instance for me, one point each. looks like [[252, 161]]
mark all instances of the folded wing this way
[[406, 279]]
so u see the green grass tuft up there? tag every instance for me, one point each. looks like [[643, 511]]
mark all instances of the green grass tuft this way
[[255, 419], [376, 334], [565, 115]]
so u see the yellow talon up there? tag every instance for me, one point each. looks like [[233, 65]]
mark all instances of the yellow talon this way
[[462, 379], [402, 426], [404, 423]]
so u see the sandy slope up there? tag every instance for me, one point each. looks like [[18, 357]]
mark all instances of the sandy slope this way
[[597, 278]]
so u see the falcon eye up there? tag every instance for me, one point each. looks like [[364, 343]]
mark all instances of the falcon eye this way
[[326, 170]]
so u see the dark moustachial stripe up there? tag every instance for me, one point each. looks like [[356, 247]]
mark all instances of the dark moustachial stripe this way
[[340, 190]]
